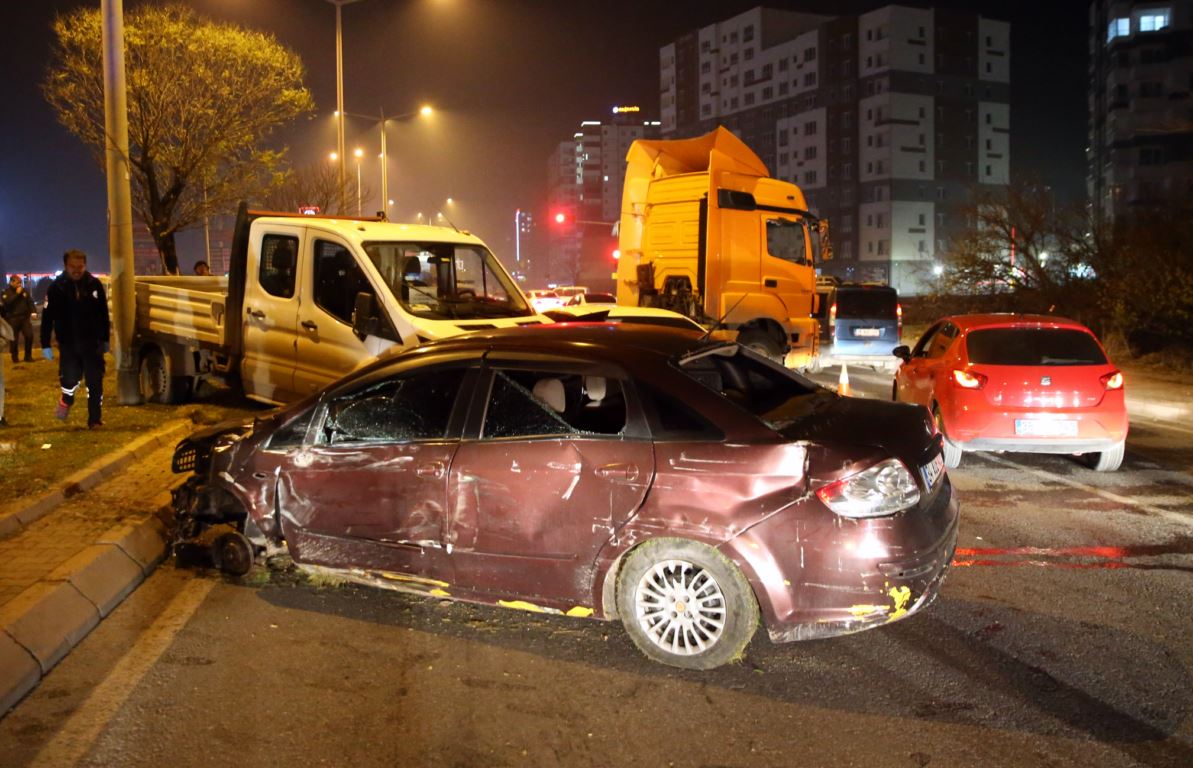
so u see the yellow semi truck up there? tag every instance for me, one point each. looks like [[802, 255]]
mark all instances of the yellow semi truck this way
[[706, 232]]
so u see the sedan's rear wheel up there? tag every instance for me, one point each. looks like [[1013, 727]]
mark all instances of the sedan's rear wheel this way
[[1108, 460], [685, 604], [952, 451]]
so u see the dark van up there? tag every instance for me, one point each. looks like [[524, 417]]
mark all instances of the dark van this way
[[859, 323]]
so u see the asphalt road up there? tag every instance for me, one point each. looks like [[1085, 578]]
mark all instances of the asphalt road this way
[[1062, 638]]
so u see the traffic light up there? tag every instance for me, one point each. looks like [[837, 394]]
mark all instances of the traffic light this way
[[562, 218]]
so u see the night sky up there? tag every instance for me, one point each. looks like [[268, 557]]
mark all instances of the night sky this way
[[509, 78]]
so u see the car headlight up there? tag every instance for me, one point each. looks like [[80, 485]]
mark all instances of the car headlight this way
[[883, 489]]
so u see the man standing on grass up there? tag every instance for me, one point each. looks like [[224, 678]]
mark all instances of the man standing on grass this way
[[77, 313]]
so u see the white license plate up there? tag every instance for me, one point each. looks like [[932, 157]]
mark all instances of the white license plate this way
[[867, 332], [1046, 427], [932, 471]]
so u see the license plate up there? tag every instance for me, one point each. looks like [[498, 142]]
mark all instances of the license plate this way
[[1046, 427], [932, 471], [867, 332]]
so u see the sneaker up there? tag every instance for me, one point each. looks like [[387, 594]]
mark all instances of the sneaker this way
[[94, 424], [62, 410]]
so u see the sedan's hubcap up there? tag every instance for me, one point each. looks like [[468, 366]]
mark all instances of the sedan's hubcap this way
[[680, 607]]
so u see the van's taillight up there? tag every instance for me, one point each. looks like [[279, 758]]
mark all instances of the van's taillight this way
[[969, 380], [899, 317], [832, 315], [1112, 380]]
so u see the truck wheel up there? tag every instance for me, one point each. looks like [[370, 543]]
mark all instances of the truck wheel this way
[[157, 385], [761, 342], [685, 604]]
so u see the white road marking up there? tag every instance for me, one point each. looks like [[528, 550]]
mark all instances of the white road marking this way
[[76, 736], [1176, 517]]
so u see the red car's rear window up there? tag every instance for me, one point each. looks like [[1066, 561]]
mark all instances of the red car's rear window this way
[[1034, 346]]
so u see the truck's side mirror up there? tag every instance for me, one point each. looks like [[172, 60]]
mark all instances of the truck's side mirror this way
[[364, 315], [903, 352]]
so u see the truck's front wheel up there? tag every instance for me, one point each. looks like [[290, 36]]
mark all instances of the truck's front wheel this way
[[761, 342]]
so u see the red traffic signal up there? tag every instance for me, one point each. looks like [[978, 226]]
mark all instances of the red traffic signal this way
[[562, 217]]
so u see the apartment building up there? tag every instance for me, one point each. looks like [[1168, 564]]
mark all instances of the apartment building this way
[[889, 120], [585, 176], [1140, 148]]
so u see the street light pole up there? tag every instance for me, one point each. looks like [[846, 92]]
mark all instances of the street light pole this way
[[384, 170], [359, 153], [340, 84]]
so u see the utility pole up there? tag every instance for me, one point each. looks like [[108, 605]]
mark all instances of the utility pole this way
[[120, 210]]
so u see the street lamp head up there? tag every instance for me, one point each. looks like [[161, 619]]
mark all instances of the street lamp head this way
[[426, 110], [358, 153], [450, 201], [333, 156]]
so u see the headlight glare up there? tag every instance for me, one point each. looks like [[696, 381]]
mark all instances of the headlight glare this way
[[883, 489]]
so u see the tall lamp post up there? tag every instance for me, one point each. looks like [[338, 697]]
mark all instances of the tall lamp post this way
[[340, 84], [359, 153], [424, 111]]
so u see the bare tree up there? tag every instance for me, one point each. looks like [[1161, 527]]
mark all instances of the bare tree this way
[[317, 185], [202, 99]]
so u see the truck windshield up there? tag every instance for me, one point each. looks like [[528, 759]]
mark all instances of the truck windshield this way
[[447, 281]]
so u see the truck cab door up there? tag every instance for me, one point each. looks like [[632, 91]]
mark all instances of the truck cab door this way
[[328, 347], [786, 265], [270, 316]]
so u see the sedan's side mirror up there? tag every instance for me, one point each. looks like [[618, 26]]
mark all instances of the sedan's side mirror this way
[[903, 352]]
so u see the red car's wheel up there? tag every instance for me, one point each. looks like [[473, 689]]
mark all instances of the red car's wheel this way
[[952, 452]]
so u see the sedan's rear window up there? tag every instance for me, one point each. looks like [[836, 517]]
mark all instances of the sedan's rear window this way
[[770, 392], [1034, 346]]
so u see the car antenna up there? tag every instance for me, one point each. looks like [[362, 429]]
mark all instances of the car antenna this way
[[449, 221], [721, 319]]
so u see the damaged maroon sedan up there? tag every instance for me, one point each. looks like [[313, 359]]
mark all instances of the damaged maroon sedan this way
[[686, 486]]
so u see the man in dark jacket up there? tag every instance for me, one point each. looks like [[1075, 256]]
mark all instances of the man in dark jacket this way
[[17, 308], [77, 313]]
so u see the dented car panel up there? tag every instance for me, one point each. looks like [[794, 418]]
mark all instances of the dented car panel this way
[[529, 469]]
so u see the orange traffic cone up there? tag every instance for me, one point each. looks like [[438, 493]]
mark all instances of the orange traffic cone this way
[[843, 383]]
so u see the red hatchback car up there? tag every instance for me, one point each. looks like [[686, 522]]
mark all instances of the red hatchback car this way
[[1030, 383]]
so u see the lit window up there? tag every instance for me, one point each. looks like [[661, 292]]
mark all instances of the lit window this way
[[1118, 28], [1154, 21]]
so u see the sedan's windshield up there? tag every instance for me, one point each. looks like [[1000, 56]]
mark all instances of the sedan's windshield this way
[[772, 393], [447, 281]]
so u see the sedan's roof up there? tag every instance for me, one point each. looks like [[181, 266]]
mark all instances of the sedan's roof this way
[[616, 342]]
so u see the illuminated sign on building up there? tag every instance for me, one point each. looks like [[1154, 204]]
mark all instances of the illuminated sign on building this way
[[623, 110]]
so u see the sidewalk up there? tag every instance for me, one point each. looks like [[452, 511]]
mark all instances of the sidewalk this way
[[70, 556]]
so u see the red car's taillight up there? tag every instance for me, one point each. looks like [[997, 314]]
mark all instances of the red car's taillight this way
[[1112, 380], [832, 315], [969, 380], [899, 317]]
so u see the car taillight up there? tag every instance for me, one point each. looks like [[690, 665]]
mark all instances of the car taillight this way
[[1112, 380], [899, 318], [969, 380], [883, 489], [832, 315]]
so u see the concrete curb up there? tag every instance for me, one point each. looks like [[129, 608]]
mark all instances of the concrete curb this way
[[42, 624], [12, 521]]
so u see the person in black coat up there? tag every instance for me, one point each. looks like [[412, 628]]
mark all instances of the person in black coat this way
[[17, 308], [77, 313]]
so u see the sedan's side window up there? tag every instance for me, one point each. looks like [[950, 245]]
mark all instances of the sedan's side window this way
[[543, 404], [416, 407]]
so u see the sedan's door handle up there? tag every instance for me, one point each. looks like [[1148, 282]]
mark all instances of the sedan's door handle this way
[[310, 325], [256, 313], [618, 472], [434, 469]]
